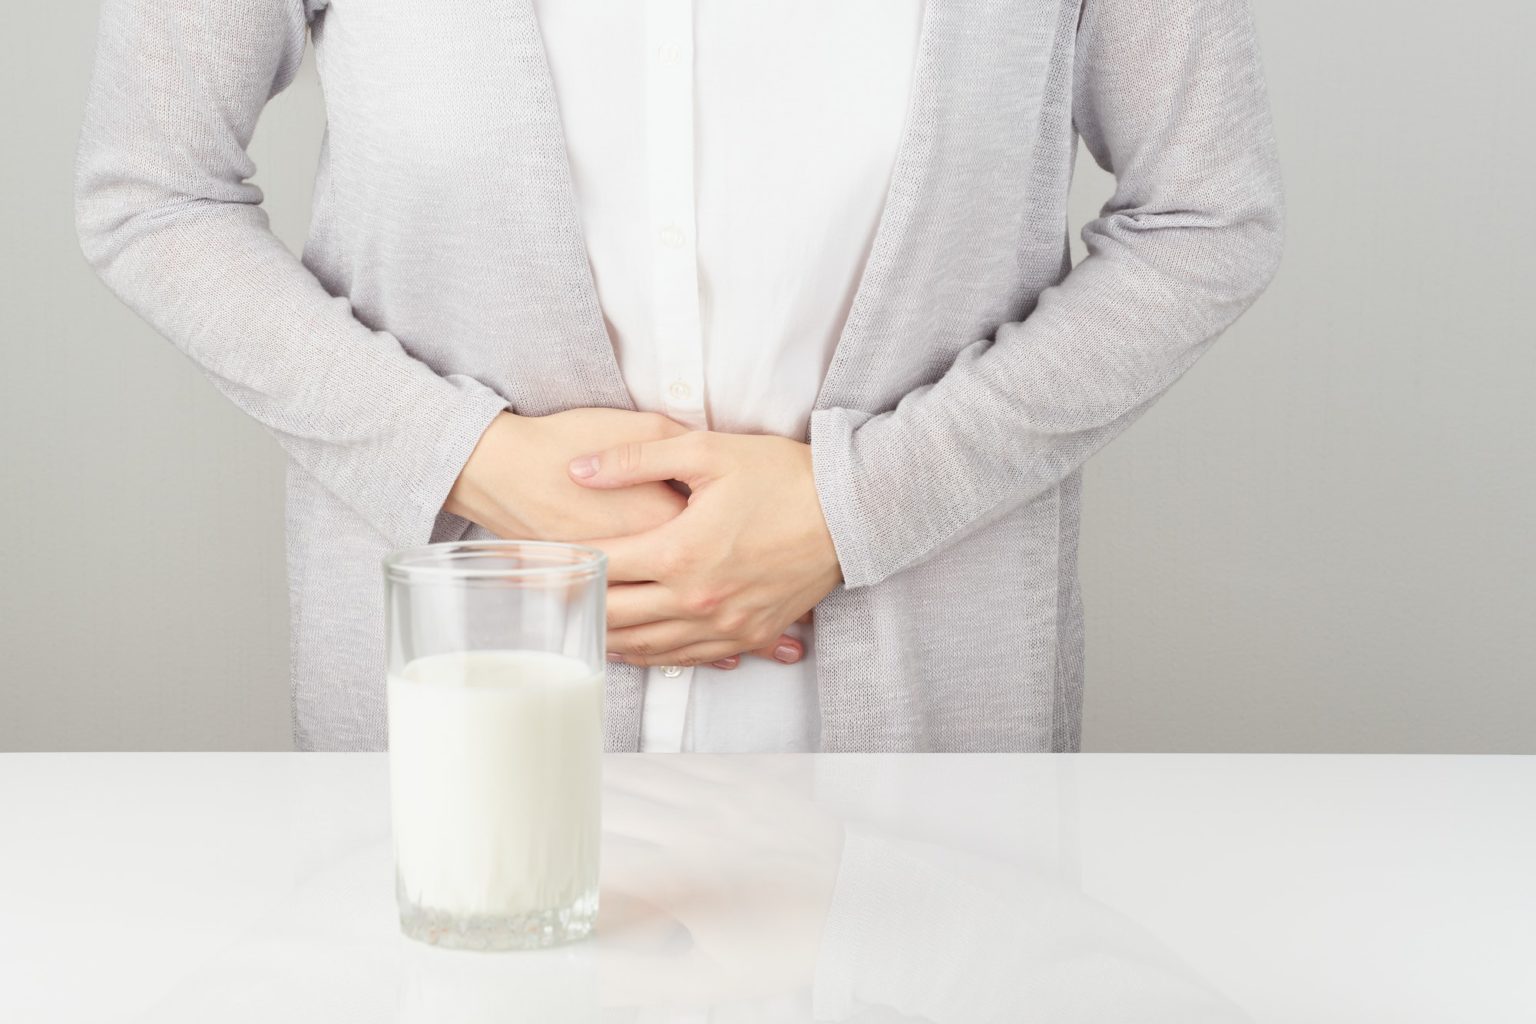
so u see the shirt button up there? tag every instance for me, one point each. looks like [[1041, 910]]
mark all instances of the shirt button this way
[[671, 671], [671, 236], [679, 390], [669, 53]]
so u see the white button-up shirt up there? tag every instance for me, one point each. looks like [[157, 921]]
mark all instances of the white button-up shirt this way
[[731, 162]]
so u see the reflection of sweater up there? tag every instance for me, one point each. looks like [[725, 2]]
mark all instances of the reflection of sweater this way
[[445, 279], [917, 930]]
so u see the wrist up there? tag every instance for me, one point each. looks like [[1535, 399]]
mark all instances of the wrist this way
[[830, 561], [478, 494]]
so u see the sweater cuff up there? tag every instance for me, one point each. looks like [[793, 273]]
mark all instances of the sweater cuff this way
[[836, 488], [420, 519]]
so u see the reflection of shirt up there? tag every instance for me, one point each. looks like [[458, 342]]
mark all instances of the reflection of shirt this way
[[731, 163]]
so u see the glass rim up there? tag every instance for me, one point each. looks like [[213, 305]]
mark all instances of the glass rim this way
[[429, 561]]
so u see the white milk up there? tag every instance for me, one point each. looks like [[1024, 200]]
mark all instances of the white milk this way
[[495, 775]]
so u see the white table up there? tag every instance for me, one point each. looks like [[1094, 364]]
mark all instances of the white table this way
[[258, 887]]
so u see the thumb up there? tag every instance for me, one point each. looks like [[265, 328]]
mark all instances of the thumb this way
[[686, 457]]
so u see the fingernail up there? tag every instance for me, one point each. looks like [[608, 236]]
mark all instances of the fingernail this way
[[584, 467], [615, 657], [727, 663], [787, 653]]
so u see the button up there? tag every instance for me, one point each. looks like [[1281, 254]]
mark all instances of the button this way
[[679, 390], [669, 53], [671, 236], [671, 671]]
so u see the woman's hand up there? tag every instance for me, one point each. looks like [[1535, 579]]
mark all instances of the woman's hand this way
[[749, 555], [515, 485], [515, 482]]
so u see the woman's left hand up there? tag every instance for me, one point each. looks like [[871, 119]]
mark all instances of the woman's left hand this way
[[747, 557]]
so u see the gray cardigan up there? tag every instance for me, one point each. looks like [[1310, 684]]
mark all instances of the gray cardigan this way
[[445, 278]]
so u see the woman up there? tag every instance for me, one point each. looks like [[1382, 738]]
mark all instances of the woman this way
[[807, 258]]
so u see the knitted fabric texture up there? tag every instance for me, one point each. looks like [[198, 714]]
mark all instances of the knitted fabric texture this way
[[445, 279]]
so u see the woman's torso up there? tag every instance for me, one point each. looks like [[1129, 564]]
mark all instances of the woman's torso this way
[[446, 214], [730, 162]]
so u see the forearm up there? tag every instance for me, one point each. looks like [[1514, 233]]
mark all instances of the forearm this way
[[476, 495], [378, 428], [1170, 98], [167, 217]]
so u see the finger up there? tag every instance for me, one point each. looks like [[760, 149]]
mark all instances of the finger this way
[[656, 638], [662, 637], [635, 604], [687, 457], [701, 653], [640, 557], [786, 650], [668, 427]]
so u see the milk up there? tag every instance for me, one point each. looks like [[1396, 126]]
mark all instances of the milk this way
[[494, 781]]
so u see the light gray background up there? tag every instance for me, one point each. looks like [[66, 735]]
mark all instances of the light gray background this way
[[1319, 540]]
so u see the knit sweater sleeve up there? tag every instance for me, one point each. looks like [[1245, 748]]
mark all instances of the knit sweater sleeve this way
[[1169, 96], [166, 215]]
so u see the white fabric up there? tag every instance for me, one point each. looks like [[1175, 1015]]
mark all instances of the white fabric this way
[[731, 163]]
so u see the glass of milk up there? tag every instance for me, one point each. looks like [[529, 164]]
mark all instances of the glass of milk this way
[[496, 658]]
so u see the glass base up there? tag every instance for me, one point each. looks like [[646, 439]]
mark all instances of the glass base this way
[[535, 930]]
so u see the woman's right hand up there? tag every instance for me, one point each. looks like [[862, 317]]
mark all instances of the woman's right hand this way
[[516, 485], [515, 482]]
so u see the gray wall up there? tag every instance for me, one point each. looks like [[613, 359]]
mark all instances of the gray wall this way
[[1319, 540]]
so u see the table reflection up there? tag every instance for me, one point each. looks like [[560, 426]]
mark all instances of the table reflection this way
[[746, 888], [772, 889]]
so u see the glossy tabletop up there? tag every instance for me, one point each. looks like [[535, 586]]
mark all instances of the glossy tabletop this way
[[948, 888]]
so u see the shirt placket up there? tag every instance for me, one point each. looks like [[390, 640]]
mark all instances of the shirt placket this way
[[678, 337]]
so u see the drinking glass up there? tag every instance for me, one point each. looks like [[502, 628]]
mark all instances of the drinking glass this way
[[495, 702]]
